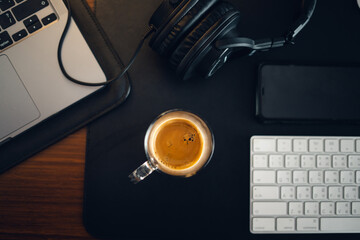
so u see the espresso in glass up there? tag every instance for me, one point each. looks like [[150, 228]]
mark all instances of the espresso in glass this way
[[178, 143]]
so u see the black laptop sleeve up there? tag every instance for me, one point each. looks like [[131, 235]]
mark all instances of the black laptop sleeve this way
[[81, 113]]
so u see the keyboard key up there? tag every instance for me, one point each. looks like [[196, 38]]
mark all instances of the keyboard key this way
[[285, 224], [339, 161], [335, 193], [269, 208], [300, 145], [33, 28], [263, 224], [342, 208], [354, 161], [311, 208], [263, 176], [319, 192], [351, 193], [6, 4], [19, 35], [308, 161], [265, 192], [327, 208], [31, 20], [323, 161], [49, 19], [287, 192], [264, 145], [28, 8], [347, 145], [284, 145], [347, 177], [358, 145], [316, 145], [260, 161], [5, 40], [292, 161], [303, 193], [331, 176], [331, 145], [300, 177], [307, 224], [355, 208], [357, 176], [296, 208], [276, 161], [7, 20], [340, 224], [284, 176], [316, 177]]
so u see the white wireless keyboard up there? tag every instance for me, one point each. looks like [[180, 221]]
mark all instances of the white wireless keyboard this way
[[302, 184]]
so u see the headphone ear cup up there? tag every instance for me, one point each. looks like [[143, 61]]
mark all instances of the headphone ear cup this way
[[178, 31], [200, 39], [170, 32]]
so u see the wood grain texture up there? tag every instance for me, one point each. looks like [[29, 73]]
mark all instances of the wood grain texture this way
[[42, 197]]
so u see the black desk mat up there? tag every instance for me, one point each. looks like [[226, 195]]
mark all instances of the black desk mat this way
[[214, 203]]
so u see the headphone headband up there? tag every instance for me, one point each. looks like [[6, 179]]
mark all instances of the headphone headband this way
[[266, 44], [307, 12], [198, 36]]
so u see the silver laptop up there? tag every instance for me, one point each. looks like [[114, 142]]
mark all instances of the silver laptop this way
[[32, 86]]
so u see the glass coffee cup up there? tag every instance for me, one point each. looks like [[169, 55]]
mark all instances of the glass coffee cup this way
[[177, 143]]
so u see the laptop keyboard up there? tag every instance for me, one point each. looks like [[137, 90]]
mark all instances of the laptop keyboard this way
[[305, 184], [20, 19]]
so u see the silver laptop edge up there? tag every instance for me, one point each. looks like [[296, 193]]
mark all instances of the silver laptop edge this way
[[35, 67]]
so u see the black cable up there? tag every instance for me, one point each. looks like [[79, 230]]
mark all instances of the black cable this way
[[119, 75]]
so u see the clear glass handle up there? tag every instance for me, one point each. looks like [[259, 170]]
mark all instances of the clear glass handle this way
[[142, 172]]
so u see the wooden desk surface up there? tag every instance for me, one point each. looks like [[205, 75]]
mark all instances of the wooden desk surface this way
[[42, 197]]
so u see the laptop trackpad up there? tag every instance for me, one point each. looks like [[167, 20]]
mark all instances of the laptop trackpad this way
[[16, 106]]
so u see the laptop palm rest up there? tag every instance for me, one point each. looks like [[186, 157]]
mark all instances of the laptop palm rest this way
[[16, 106]]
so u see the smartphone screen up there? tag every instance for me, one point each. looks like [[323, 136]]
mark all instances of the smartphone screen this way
[[308, 93]]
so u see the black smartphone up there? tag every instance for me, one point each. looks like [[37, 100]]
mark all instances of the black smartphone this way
[[301, 93]]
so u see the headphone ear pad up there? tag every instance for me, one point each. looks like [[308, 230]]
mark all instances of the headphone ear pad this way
[[177, 31], [185, 53]]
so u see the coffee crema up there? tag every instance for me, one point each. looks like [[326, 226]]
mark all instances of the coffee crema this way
[[178, 144]]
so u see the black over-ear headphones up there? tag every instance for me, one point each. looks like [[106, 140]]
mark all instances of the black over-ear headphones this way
[[198, 36]]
